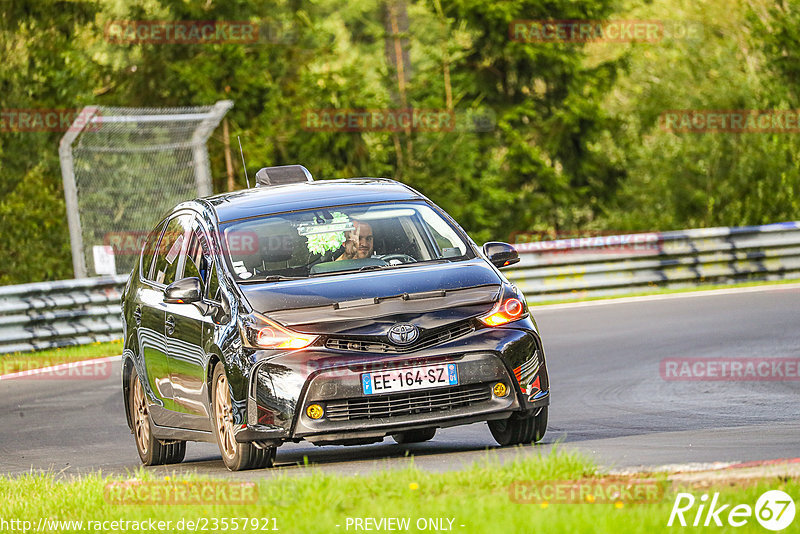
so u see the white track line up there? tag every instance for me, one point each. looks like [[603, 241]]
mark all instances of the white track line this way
[[669, 296], [59, 367], [710, 467]]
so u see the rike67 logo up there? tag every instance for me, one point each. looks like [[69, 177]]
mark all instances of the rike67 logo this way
[[774, 510]]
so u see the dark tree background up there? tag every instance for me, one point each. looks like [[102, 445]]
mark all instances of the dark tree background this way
[[549, 136]]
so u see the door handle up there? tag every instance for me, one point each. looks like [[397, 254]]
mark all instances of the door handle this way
[[137, 315], [170, 324]]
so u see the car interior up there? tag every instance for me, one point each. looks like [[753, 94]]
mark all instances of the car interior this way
[[282, 251]]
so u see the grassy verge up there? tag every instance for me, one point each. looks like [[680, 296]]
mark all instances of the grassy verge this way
[[22, 361], [479, 498], [666, 291]]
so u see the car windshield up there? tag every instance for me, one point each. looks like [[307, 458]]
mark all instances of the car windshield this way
[[338, 240]]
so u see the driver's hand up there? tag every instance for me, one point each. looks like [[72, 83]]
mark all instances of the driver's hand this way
[[351, 244]]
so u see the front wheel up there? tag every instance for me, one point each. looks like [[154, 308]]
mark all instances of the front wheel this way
[[520, 429], [151, 450], [237, 456]]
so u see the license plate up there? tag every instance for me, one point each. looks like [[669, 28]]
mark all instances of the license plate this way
[[409, 378]]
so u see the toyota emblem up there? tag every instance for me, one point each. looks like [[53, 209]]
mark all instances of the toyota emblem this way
[[403, 334]]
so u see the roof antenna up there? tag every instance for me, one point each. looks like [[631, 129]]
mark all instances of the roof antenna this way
[[243, 163]]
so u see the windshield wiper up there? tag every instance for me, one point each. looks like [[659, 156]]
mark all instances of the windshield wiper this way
[[439, 260], [385, 267], [416, 263], [271, 278]]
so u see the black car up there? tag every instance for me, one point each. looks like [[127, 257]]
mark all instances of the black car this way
[[333, 311]]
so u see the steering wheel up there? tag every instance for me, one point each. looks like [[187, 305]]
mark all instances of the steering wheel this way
[[397, 259]]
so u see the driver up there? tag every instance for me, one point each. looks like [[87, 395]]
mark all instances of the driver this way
[[358, 243]]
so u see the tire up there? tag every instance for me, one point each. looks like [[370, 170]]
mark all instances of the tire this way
[[520, 429], [414, 436], [236, 456], [151, 450]]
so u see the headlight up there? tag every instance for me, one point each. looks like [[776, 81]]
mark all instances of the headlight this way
[[262, 333], [510, 307]]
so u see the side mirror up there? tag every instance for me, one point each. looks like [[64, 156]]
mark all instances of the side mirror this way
[[500, 254], [184, 291]]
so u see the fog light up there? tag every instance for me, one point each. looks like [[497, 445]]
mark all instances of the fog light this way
[[315, 411], [500, 390]]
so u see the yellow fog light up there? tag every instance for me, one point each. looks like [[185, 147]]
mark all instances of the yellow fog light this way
[[500, 390], [315, 411]]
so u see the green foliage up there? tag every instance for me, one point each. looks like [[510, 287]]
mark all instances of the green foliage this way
[[572, 142], [35, 245], [681, 180]]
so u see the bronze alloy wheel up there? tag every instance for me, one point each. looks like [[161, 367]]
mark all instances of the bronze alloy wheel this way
[[152, 451], [141, 419], [236, 456], [224, 417]]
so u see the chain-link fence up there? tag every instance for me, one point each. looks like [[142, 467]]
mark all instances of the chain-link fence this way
[[123, 168]]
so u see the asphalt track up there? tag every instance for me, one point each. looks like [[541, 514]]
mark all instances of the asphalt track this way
[[608, 399]]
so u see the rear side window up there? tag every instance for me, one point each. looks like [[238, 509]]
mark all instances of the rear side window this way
[[172, 244], [149, 250]]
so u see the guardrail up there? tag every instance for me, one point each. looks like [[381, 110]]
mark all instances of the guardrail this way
[[624, 264], [54, 314], [72, 312]]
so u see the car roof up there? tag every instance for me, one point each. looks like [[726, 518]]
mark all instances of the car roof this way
[[258, 201]]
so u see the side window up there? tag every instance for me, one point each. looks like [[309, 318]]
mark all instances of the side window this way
[[198, 260], [212, 288], [447, 240], [149, 251], [173, 242]]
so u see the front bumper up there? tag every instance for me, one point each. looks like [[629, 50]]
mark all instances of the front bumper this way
[[282, 388], [348, 410]]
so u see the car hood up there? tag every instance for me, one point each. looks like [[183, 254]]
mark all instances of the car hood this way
[[369, 303]]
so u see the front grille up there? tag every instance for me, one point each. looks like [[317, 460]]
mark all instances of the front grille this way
[[358, 345], [409, 403], [429, 339]]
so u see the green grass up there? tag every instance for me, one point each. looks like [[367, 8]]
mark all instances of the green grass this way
[[21, 361], [477, 497], [666, 291]]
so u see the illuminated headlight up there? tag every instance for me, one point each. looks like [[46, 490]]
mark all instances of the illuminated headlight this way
[[262, 333], [510, 307]]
